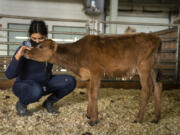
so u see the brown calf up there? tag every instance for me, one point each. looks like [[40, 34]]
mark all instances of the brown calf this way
[[119, 55]]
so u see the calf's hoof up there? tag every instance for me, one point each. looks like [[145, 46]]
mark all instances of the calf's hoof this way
[[137, 121], [88, 116], [155, 121], [92, 123], [87, 133]]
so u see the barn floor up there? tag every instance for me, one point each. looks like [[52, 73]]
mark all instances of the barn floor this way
[[117, 110]]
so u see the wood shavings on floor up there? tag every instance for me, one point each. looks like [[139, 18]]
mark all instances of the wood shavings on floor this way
[[117, 110]]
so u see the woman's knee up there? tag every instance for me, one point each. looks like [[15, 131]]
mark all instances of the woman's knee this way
[[27, 91], [36, 93], [62, 81], [71, 83]]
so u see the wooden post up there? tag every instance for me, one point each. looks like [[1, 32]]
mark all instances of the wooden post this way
[[178, 55]]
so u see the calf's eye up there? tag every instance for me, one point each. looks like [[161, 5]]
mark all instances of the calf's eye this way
[[40, 46]]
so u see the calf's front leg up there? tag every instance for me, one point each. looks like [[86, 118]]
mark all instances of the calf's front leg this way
[[92, 110], [88, 115]]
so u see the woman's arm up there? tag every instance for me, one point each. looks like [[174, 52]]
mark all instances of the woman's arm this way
[[15, 65]]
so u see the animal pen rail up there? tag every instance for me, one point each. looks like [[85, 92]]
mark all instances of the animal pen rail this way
[[170, 63]]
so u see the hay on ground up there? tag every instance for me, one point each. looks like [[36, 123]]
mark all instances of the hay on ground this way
[[117, 110]]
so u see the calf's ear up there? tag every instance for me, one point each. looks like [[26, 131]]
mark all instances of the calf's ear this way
[[53, 46]]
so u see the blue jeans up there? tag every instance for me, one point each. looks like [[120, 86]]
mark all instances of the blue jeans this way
[[29, 91]]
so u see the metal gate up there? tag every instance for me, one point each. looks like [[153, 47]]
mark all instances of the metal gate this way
[[169, 54]]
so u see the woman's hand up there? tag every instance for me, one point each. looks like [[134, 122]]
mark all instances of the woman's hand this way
[[20, 53]]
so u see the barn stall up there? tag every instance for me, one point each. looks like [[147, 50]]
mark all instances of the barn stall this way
[[118, 99]]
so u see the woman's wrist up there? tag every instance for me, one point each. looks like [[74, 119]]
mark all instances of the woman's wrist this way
[[17, 57]]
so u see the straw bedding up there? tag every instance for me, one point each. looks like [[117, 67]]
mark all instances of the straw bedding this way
[[117, 110]]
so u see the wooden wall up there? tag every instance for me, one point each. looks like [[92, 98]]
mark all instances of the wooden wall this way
[[168, 53]]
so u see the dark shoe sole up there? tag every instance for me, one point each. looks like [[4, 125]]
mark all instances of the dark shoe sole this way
[[50, 110], [24, 114], [22, 110]]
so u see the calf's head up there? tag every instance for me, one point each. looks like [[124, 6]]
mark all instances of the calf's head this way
[[42, 52]]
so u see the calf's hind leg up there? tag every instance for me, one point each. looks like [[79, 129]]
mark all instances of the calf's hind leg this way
[[157, 95], [147, 87]]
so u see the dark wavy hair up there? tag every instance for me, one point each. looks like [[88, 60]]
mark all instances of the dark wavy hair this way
[[38, 26]]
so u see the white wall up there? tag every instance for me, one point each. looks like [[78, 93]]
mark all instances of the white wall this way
[[62, 9], [43, 8], [161, 18]]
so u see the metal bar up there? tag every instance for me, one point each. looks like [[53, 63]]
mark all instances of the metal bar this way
[[178, 55], [69, 33], [6, 49], [143, 4], [84, 21], [98, 28], [50, 32], [13, 30], [134, 23], [5, 55], [10, 43], [42, 18]]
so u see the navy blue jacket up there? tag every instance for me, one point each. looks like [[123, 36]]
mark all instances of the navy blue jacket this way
[[26, 69]]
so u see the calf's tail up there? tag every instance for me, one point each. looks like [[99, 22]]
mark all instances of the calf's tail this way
[[158, 75], [157, 70]]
